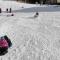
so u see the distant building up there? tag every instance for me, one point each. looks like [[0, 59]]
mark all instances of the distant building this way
[[58, 1]]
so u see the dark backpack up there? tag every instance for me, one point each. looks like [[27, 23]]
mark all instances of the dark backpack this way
[[8, 40]]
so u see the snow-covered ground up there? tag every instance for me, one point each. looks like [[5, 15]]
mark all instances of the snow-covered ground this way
[[32, 38]]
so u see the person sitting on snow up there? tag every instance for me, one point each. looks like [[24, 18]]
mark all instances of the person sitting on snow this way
[[36, 15], [3, 46], [5, 43]]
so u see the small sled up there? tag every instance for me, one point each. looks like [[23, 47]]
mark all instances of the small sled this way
[[8, 15]]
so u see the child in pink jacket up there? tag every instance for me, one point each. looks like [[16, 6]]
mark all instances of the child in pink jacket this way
[[5, 43]]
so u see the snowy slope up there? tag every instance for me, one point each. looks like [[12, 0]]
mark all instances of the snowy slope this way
[[14, 5], [24, 7], [32, 38]]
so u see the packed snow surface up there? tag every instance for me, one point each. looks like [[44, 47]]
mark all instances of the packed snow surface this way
[[33, 38]]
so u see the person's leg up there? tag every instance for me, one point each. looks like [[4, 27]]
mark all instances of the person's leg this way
[[0, 50], [3, 50]]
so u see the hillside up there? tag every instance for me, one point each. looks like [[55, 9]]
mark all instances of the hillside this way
[[32, 38]]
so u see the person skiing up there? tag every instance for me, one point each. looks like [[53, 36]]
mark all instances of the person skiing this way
[[7, 10], [0, 10], [10, 10]]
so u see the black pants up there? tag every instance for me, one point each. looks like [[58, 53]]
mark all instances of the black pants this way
[[3, 50]]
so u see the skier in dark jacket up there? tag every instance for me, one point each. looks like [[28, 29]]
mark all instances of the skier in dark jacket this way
[[10, 10], [0, 10], [7, 10]]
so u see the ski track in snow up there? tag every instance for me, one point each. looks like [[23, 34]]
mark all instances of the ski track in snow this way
[[32, 38]]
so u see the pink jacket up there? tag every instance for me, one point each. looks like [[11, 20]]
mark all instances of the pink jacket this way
[[3, 43]]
